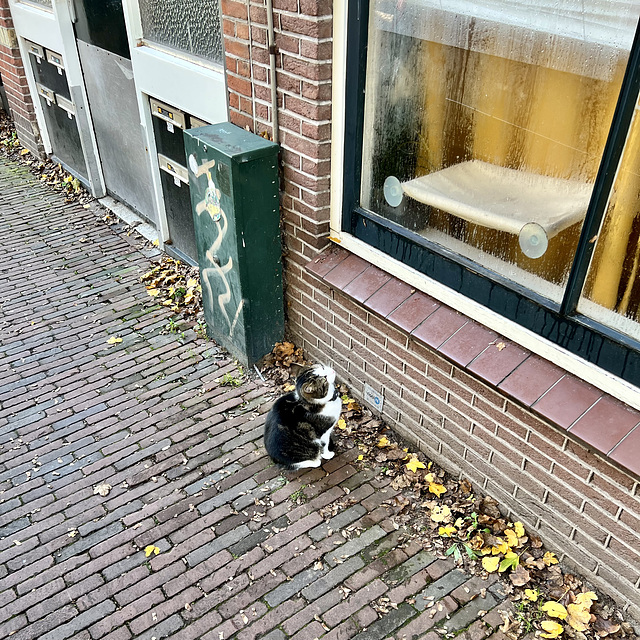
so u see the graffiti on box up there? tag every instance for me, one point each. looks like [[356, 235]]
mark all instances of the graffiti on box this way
[[214, 270]]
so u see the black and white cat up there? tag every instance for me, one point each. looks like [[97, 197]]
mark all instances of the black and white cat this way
[[297, 430]]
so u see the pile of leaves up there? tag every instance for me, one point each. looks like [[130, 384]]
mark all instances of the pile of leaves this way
[[51, 173], [176, 285], [448, 518], [277, 365]]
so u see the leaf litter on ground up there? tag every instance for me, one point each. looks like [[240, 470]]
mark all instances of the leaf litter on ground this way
[[450, 519]]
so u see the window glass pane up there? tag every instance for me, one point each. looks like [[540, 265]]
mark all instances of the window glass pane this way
[[44, 3], [192, 26], [485, 123], [612, 289]]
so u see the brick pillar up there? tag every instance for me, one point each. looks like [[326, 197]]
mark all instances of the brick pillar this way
[[15, 84], [303, 30]]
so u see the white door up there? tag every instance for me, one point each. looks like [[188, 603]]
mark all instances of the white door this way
[[177, 58]]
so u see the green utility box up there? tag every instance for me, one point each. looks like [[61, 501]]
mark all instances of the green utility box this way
[[233, 179]]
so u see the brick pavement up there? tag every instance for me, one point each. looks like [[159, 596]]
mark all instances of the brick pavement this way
[[241, 553]]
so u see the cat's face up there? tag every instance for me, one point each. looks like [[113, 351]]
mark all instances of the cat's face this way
[[316, 384]]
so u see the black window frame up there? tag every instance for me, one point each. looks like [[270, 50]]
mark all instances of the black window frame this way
[[561, 324]]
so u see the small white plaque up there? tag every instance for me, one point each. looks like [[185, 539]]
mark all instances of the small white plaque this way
[[373, 398]]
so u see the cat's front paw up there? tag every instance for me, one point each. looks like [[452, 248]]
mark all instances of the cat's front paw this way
[[327, 455]]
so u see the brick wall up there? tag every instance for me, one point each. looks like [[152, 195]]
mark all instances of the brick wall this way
[[303, 30], [586, 509], [583, 507], [15, 84]]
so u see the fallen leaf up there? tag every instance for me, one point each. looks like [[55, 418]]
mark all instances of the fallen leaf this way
[[554, 610], [440, 514], [553, 629], [148, 550], [532, 594], [153, 292], [383, 442], [549, 558], [102, 489], [512, 537], [447, 531], [156, 243], [114, 340], [585, 599], [578, 616], [520, 576], [414, 464], [436, 489], [510, 561], [605, 627], [24, 152], [341, 424], [490, 564], [518, 527]]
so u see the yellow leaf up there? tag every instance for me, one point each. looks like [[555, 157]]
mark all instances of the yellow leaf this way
[[188, 298], [290, 387], [512, 538], [554, 610], [414, 464], [167, 303], [436, 489], [151, 549], [429, 478], [553, 629], [342, 424], [532, 594], [586, 599], [440, 514], [578, 616], [346, 399], [360, 457], [490, 564], [383, 442], [447, 531], [156, 243], [500, 547], [114, 340], [518, 527], [153, 292], [24, 152], [549, 558], [192, 282]]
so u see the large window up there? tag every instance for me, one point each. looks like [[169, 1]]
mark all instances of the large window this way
[[492, 146]]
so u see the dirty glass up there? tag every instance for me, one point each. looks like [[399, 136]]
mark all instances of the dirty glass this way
[[485, 124], [191, 26], [44, 3], [612, 290]]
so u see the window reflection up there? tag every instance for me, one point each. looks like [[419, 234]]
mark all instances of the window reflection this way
[[490, 118]]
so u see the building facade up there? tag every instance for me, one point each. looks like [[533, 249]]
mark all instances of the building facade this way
[[459, 212]]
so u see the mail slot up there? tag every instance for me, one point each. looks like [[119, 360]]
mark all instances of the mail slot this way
[[46, 93], [169, 123], [58, 108], [66, 105], [179, 173]]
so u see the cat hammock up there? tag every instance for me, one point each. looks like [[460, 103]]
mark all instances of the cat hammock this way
[[531, 206]]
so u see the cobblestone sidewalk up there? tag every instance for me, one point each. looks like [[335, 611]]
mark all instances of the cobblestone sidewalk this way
[[197, 536]]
